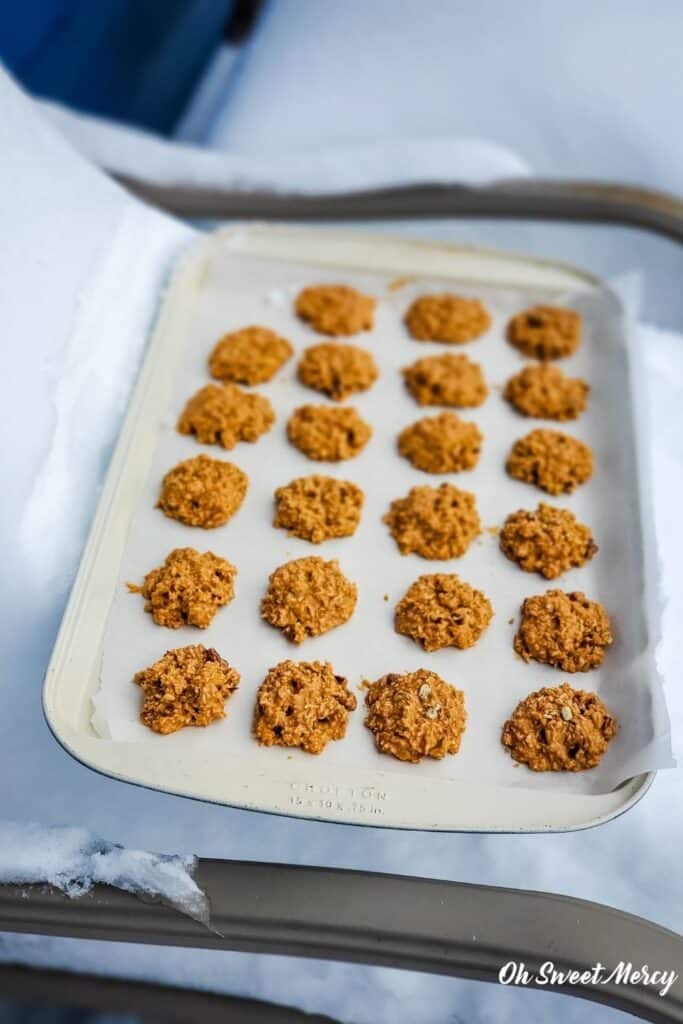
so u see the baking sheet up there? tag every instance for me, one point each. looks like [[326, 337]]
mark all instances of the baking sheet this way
[[238, 288]]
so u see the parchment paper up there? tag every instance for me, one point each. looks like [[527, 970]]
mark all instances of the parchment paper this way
[[241, 289]]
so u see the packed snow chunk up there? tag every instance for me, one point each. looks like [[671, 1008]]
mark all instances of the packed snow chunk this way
[[74, 860]]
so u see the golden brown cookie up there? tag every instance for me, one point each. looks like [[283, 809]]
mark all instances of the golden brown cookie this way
[[225, 414], [559, 729], [434, 522], [203, 492], [187, 686], [441, 610], [450, 379], [564, 630], [338, 370], [544, 392], [317, 508], [448, 318], [327, 434], [188, 589], [545, 332], [415, 715], [336, 309], [302, 704], [441, 444], [549, 541], [553, 461], [252, 355], [307, 597]]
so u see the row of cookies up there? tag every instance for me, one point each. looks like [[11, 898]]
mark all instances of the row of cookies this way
[[253, 355], [541, 332], [445, 443], [307, 597], [412, 715]]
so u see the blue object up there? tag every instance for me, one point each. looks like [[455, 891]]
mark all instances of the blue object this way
[[132, 60]]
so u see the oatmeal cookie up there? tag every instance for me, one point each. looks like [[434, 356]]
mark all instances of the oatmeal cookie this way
[[338, 370], [549, 541], [553, 461], [187, 686], [415, 715], [188, 589], [203, 492], [317, 508], [449, 379], [434, 522], [564, 630], [307, 597], [447, 318], [545, 332], [441, 610], [336, 309], [225, 414], [302, 704], [441, 444], [544, 392], [327, 434], [252, 355], [559, 729]]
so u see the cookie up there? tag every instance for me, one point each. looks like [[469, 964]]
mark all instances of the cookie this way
[[553, 461], [187, 686], [545, 332], [308, 597], [415, 715], [559, 729], [335, 309], [548, 541], [564, 630], [449, 379], [441, 610], [188, 589], [203, 492], [448, 318], [317, 508], [302, 704], [338, 370], [441, 444], [434, 522], [252, 355], [544, 392], [225, 414], [327, 434]]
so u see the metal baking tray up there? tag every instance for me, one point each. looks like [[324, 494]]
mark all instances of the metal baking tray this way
[[381, 795]]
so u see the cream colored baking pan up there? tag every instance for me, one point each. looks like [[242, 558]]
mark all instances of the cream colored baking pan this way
[[251, 274]]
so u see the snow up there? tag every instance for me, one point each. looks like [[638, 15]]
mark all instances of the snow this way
[[74, 860], [128, 151]]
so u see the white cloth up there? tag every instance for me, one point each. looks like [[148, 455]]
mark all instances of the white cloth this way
[[81, 269]]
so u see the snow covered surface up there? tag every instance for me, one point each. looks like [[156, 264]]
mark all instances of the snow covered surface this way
[[59, 217], [580, 89], [128, 151], [74, 860]]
